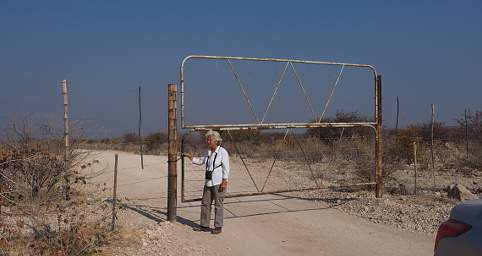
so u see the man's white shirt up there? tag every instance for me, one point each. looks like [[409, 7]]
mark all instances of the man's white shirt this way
[[221, 166]]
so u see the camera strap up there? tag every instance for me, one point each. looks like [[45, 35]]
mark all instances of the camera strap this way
[[214, 162]]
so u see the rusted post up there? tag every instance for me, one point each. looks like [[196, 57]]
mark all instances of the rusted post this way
[[378, 137], [172, 154], [114, 195], [415, 166], [140, 129]]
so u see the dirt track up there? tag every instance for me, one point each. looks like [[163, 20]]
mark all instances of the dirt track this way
[[260, 225]]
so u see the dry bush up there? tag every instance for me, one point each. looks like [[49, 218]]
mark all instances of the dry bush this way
[[474, 127], [113, 145], [340, 116], [42, 209], [63, 230], [453, 156], [130, 138], [153, 144]]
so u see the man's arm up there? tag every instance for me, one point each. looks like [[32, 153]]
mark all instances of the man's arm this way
[[225, 165], [225, 169], [199, 160], [196, 160]]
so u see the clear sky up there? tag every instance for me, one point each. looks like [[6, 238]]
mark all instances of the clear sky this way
[[427, 51]]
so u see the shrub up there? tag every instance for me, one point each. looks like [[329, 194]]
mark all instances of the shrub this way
[[328, 133], [42, 213], [153, 141], [130, 138]]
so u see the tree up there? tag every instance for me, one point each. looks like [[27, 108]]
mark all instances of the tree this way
[[130, 138], [474, 126], [328, 133], [154, 140]]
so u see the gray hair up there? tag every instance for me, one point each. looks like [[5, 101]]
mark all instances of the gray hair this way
[[214, 135]]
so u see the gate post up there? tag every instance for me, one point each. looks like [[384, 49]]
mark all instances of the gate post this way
[[378, 137], [172, 154]]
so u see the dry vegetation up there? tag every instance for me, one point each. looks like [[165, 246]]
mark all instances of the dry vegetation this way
[[43, 209], [154, 144], [348, 150], [343, 157]]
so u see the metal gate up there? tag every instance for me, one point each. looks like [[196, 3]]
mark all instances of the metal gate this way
[[259, 124]]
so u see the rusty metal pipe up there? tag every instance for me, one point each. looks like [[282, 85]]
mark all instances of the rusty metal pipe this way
[[184, 61], [283, 191]]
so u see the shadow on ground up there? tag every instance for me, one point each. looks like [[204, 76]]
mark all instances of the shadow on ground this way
[[159, 214]]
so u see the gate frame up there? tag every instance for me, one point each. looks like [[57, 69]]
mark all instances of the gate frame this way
[[376, 125]]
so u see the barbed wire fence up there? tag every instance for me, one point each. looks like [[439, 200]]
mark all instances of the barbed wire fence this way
[[442, 155]]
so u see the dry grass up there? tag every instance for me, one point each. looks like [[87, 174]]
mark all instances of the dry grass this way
[[43, 211]]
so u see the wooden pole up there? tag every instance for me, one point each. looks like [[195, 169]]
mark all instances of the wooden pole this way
[[466, 135], [182, 169], [172, 154], [415, 166], [140, 129], [378, 137], [431, 142], [398, 115], [66, 179], [66, 123], [114, 195]]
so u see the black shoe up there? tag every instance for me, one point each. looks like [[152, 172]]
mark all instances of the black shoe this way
[[216, 231], [201, 229]]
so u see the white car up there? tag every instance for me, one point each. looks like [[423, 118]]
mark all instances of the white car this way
[[461, 235]]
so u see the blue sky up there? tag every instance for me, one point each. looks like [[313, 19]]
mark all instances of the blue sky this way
[[427, 51]]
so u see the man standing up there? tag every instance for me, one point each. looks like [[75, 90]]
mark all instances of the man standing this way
[[216, 163]]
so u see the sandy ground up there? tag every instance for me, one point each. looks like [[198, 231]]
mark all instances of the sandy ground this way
[[280, 224]]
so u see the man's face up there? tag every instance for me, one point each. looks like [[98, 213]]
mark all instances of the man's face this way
[[211, 143]]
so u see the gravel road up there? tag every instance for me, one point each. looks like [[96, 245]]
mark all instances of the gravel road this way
[[281, 224]]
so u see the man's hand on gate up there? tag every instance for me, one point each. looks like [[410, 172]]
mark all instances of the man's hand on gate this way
[[223, 186], [187, 155]]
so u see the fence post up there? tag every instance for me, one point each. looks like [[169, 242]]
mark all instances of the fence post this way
[[66, 179], [140, 129], [172, 154], [114, 195], [378, 137], [431, 143], [415, 166], [466, 135], [66, 122], [398, 115], [182, 169]]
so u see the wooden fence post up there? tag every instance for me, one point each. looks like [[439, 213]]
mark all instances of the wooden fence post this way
[[378, 138], [466, 134], [398, 115], [415, 166], [431, 143], [114, 195], [140, 129], [172, 154], [66, 180], [66, 122]]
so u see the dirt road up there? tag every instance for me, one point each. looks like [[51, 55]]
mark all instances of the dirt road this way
[[281, 224]]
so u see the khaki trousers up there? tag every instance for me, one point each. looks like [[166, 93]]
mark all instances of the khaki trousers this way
[[211, 194]]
